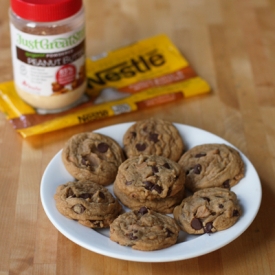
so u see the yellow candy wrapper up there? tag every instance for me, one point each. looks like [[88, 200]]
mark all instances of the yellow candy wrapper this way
[[147, 73]]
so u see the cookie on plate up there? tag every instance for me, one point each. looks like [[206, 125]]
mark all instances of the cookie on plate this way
[[212, 165], [152, 181], [92, 156], [208, 210], [153, 136], [87, 202], [144, 229]]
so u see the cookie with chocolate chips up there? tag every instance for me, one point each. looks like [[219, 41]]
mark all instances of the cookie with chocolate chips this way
[[153, 136], [152, 181], [144, 229], [92, 156], [87, 202], [207, 211], [212, 165]]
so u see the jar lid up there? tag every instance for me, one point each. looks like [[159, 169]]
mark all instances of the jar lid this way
[[45, 10]]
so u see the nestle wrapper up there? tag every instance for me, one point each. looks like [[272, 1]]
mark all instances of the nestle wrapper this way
[[144, 74]]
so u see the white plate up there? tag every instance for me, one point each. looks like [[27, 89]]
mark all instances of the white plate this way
[[248, 191]]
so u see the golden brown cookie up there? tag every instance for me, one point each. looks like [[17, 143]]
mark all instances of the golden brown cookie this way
[[87, 202], [207, 211], [153, 181], [92, 156], [153, 136], [144, 229], [212, 165]]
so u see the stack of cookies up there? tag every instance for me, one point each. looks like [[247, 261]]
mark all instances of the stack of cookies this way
[[150, 176], [152, 181]]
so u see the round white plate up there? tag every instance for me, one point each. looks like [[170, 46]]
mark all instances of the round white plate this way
[[248, 190]]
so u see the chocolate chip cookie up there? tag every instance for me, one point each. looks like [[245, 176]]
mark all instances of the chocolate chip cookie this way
[[153, 136], [87, 202], [208, 210], [153, 181], [144, 229], [92, 156], [212, 165]]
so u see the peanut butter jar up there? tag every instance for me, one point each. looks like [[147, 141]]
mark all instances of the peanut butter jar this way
[[48, 52]]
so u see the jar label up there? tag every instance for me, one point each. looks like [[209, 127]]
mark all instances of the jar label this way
[[48, 65]]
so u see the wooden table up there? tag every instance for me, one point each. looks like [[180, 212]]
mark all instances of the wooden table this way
[[229, 43]]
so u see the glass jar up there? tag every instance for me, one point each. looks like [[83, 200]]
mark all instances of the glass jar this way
[[48, 52]]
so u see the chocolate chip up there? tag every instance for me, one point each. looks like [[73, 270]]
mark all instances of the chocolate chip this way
[[101, 195], [221, 206], [134, 134], [153, 137], [208, 227], [236, 213], [70, 193], [85, 196], [128, 182], [197, 169], [226, 184], [207, 199], [155, 169], [196, 224], [166, 165], [88, 161], [143, 210], [102, 147], [85, 161], [157, 188], [79, 208], [200, 155], [140, 147], [148, 185], [169, 232], [132, 236]]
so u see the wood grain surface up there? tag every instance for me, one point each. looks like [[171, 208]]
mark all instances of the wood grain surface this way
[[230, 43]]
